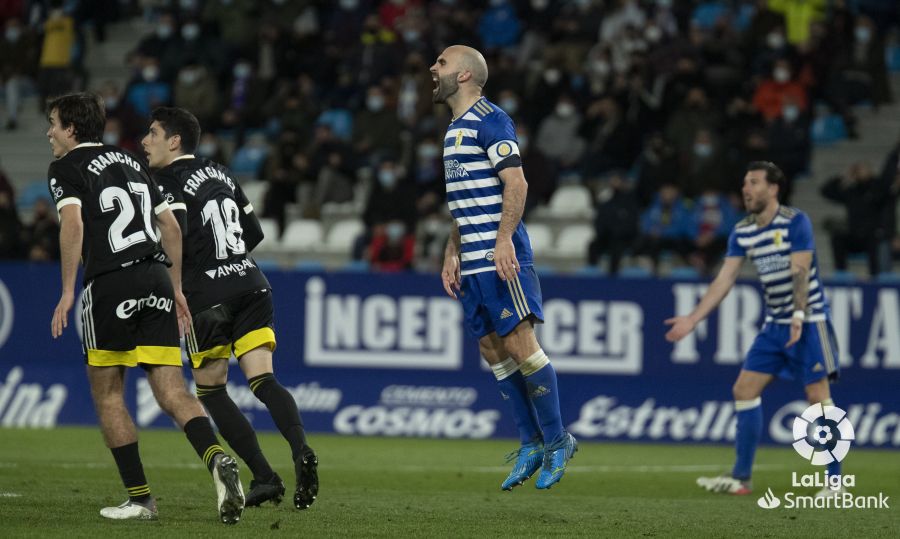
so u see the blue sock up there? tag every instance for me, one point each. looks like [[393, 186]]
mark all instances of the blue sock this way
[[749, 430], [540, 379], [513, 391]]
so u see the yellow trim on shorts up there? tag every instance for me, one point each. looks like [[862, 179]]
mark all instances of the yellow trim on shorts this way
[[149, 355], [256, 338], [223, 351]]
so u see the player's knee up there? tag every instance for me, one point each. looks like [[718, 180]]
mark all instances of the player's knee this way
[[742, 391]]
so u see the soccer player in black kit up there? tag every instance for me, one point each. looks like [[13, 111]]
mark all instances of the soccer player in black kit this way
[[109, 208], [230, 300]]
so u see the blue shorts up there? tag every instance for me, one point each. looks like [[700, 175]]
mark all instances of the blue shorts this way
[[810, 359], [491, 304]]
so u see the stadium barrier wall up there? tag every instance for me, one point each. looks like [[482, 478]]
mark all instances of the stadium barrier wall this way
[[377, 354]]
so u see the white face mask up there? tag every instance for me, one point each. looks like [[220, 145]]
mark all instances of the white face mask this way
[[702, 149], [427, 152], [775, 40], [189, 76], [375, 103], [601, 67], [394, 231], [150, 73], [241, 71], [13, 34], [781, 74], [510, 105], [111, 103], [565, 110], [790, 112], [164, 31], [863, 34], [110, 138], [552, 76], [387, 178], [190, 31], [207, 149], [653, 34], [349, 5]]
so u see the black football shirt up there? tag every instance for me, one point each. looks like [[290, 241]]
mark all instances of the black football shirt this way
[[118, 200], [213, 212]]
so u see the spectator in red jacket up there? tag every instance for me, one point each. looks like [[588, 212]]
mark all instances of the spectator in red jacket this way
[[771, 93]]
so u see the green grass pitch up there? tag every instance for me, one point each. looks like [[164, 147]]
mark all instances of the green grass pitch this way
[[53, 483]]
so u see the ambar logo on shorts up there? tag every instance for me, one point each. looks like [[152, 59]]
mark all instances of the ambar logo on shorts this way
[[822, 435]]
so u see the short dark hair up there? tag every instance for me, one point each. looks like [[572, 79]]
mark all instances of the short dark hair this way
[[774, 175], [178, 121], [83, 110]]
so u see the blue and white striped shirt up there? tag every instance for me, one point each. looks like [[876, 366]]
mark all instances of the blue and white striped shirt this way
[[770, 249], [477, 146]]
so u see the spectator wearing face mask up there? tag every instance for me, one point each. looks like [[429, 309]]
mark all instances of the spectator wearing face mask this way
[[615, 221], [789, 142], [665, 226], [163, 42], [712, 219], [42, 234], [704, 168], [557, 136], [772, 93], [235, 22], [17, 64], [860, 69], [113, 136], [148, 91], [244, 100], [392, 197], [543, 176], [392, 247], [376, 128], [694, 113], [196, 90], [428, 174]]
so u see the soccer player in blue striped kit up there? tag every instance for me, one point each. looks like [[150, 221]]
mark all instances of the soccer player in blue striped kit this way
[[488, 262], [797, 341]]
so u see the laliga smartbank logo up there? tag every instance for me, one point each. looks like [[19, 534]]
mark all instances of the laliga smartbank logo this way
[[822, 435]]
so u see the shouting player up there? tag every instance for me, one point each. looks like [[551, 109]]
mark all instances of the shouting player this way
[[132, 308], [230, 300], [488, 261]]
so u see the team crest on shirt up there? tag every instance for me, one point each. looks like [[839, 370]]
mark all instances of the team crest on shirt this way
[[489, 256], [459, 137], [504, 149], [777, 238]]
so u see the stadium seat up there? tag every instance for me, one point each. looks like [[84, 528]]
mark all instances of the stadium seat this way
[[270, 231], [573, 241], [684, 272], [31, 193], [828, 129], [361, 266], [892, 57], [304, 234], [541, 237], [309, 266], [248, 161], [591, 271], [571, 201], [635, 272], [255, 192], [888, 277], [843, 276], [342, 235]]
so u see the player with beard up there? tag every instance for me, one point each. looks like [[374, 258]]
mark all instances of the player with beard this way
[[797, 341]]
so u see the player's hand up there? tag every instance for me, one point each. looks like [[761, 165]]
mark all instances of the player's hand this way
[[796, 332], [61, 314], [681, 327], [505, 259], [184, 314], [450, 275]]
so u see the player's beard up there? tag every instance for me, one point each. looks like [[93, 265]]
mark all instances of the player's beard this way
[[447, 86]]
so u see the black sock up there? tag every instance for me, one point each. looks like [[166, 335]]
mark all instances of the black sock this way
[[128, 460], [200, 433], [282, 408], [235, 428]]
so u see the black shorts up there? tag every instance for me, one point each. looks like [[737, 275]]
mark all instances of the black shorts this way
[[128, 318], [235, 326]]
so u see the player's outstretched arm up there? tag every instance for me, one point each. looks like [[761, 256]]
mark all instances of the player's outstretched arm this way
[[515, 189], [450, 275], [171, 241], [71, 235], [718, 289]]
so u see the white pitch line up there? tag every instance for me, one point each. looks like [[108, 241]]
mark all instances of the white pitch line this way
[[10, 495]]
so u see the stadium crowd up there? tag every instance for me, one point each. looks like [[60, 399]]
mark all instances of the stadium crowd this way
[[654, 105]]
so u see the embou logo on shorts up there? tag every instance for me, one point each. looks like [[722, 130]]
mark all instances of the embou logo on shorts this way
[[131, 306]]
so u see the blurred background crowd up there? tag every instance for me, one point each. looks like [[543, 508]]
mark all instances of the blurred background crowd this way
[[636, 118]]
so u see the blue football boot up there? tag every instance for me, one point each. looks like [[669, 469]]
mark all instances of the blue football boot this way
[[528, 460], [556, 456]]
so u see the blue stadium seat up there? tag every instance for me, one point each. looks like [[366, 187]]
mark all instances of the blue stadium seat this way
[[635, 272], [267, 264], [843, 276], [248, 160], [360, 266], [544, 270], [828, 129], [888, 277], [591, 271], [31, 193], [892, 58], [684, 272], [309, 266]]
